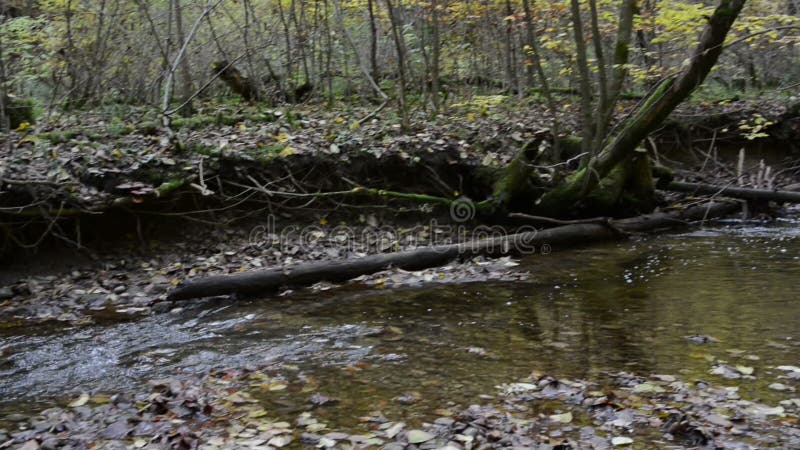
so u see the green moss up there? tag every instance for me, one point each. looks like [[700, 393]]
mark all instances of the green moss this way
[[604, 198], [515, 187], [59, 137], [148, 128], [170, 186], [627, 189], [639, 192], [118, 128]]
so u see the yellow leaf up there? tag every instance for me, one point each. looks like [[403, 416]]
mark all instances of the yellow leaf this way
[[282, 137], [287, 151], [116, 154], [355, 125], [277, 386], [80, 401], [339, 119], [257, 413], [23, 126], [323, 221]]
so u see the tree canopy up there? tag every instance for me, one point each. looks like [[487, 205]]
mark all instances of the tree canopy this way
[[73, 52]]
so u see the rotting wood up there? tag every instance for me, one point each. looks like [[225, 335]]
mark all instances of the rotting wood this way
[[265, 281]]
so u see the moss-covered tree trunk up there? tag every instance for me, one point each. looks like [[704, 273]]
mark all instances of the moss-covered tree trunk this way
[[604, 171]]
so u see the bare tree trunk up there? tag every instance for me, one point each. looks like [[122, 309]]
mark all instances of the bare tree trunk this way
[[401, 65], [328, 54], [600, 122], [373, 40], [166, 113], [263, 46], [511, 72], [146, 13], [315, 51], [422, 38], [187, 87], [288, 40], [301, 40], [537, 62], [93, 69], [435, 58], [621, 51], [364, 68], [169, 42], [583, 80], [68, 57], [643, 39], [5, 119], [251, 73]]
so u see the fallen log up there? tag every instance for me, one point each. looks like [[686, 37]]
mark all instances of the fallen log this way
[[263, 281], [735, 192]]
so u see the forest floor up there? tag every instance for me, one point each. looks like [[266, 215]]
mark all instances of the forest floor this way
[[150, 217], [86, 163]]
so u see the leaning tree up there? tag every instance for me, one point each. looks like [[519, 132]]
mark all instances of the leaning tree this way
[[614, 175]]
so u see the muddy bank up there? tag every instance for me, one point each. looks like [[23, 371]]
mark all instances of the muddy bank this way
[[65, 176]]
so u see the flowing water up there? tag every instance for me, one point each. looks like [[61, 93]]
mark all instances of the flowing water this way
[[583, 313]]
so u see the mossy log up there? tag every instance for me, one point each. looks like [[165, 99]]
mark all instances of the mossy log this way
[[648, 116], [249, 90], [628, 189], [516, 183], [238, 83]]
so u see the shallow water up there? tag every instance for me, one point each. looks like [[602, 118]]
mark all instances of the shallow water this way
[[583, 313]]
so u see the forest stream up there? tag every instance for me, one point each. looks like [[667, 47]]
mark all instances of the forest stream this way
[[691, 305]]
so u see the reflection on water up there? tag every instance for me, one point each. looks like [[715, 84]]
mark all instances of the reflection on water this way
[[583, 313]]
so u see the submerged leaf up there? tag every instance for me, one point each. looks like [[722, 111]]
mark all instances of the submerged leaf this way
[[419, 436], [562, 418], [648, 388], [619, 441], [80, 401]]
